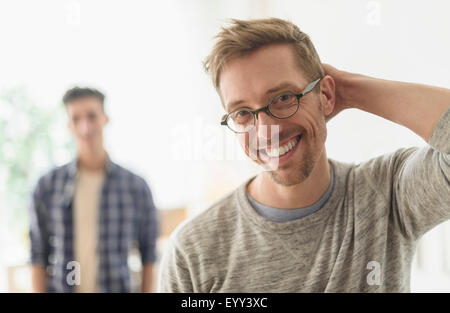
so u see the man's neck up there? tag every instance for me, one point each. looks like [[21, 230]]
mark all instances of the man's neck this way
[[264, 190], [93, 161]]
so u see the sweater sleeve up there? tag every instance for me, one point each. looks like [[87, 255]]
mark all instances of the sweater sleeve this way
[[415, 182], [174, 276], [422, 184]]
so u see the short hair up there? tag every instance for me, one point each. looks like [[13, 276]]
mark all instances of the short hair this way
[[79, 93], [245, 36]]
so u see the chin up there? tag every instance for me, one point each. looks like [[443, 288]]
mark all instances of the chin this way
[[90, 144], [295, 172]]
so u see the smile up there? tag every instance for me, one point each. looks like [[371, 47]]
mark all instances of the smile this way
[[282, 150]]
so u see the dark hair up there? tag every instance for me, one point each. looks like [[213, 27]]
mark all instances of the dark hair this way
[[78, 93]]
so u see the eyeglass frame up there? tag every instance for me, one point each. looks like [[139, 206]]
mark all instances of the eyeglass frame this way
[[266, 109]]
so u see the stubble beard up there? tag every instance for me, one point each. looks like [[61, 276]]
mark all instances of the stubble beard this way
[[298, 171]]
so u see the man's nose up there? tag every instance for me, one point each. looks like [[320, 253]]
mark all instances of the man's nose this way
[[266, 125], [84, 127]]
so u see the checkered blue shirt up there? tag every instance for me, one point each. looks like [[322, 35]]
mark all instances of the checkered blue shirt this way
[[127, 219]]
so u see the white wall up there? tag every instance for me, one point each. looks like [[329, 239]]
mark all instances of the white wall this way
[[146, 56]]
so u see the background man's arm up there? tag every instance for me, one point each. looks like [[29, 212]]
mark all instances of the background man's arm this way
[[38, 278], [38, 239], [148, 235], [147, 278]]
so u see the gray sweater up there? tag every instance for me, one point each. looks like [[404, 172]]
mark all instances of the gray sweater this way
[[362, 240]]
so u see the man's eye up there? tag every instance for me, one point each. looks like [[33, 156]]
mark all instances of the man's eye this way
[[286, 98], [242, 113], [241, 116], [283, 101]]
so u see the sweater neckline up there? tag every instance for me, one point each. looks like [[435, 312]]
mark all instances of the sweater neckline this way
[[341, 171]]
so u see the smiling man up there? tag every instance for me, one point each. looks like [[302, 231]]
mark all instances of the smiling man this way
[[91, 211], [308, 223]]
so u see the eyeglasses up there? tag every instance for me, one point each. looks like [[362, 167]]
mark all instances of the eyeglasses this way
[[284, 105]]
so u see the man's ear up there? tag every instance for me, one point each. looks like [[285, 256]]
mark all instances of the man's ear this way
[[327, 94]]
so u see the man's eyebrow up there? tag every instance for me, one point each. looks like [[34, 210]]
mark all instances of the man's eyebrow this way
[[279, 87], [233, 104]]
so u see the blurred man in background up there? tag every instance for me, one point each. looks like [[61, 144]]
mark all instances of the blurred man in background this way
[[309, 223], [91, 211]]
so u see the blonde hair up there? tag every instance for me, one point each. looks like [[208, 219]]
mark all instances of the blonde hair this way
[[243, 37]]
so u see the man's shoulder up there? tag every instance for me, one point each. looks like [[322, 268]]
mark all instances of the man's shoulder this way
[[387, 159], [376, 166], [59, 174], [220, 218], [377, 176], [385, 166], [126, 173], [55, 175], [125, 176]]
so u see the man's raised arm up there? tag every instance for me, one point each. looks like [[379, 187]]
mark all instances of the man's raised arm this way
[[414, 181], [415, 106]]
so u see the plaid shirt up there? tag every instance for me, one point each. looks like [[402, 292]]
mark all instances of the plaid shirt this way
[[127, 219]]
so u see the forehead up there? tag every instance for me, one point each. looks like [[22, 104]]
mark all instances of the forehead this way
[[84, 104], [251, 76]]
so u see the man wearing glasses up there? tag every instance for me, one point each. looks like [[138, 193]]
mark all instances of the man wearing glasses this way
[[308, 223]]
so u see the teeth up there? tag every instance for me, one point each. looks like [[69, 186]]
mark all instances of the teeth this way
[[274, 153]]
